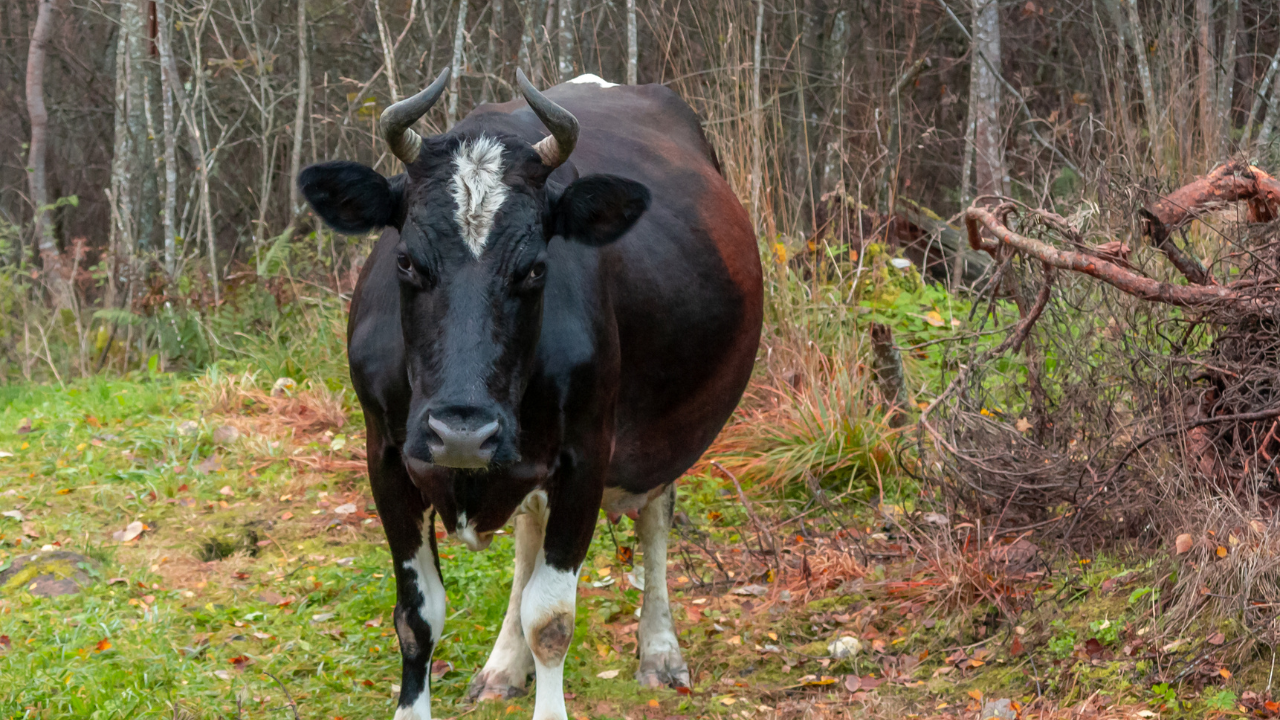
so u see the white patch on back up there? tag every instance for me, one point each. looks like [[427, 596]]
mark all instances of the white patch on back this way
[[478, 190], [590, 79]]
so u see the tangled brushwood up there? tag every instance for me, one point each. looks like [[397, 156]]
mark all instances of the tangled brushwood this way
[[1168, 369]]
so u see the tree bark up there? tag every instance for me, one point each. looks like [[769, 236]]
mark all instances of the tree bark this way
[[990, 177], [492, 57], [1267, 131], [566, 40], [757, 109], [300, 114], [388, 51], [459, 37], [1260, 97], [1227, 79], [1150, 110], [167, 81], [46, 247], [1206, 78], [633, 50]]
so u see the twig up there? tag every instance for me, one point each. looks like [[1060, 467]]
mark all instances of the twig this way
[[292, 705], [751, 513]]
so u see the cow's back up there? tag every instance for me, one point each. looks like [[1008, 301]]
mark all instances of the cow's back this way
[[685, 282]]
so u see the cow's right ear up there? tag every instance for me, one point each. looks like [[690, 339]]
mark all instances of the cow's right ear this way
[[353, 198]]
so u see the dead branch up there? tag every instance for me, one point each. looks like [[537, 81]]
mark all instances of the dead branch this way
[[1188, 296]]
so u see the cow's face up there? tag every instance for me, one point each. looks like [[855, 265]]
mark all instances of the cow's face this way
[[475, 215]]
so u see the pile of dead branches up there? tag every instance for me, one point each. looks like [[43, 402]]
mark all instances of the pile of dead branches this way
[[1172, 366]]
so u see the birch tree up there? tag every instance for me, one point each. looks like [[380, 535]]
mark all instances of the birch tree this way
[[459, 37], [59, 288], [300, 113], [989, 175], [167, 81], [633, 51]]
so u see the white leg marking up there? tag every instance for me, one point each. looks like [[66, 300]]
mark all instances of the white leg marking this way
[[432, 609], [478, 190], [660, 660], [547, 612], [590, 79], [510, 663]]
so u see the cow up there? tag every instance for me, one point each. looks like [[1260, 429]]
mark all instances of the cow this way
[[561, 313]]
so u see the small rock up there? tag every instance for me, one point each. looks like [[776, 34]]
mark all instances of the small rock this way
[[188, 428], [47, 574], [284, 386], [753, 590], [226, 434], [939, 519], [1001, 709], [346, 509], [843, 647]]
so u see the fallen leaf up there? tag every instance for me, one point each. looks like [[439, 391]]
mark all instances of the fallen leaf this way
[[976, 695], [346, 509], [440, 668], [728, 700], [1222, 551], [15, 514], [1182, 543], [226, 490], [130, 532], [934, 318], [1225, 673], [753, 590], [1215, 639], [1022, 425], [103, 645], [852, 683], [608, 674]]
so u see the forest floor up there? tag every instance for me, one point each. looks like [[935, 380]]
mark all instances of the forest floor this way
[[232, 566]]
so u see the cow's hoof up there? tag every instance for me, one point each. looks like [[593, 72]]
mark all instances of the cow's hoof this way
[[492, 686], [663, 670]]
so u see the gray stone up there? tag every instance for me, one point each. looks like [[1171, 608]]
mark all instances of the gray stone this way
[[47, 574], [1001, 709]]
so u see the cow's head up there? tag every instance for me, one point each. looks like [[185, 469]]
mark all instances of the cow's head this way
[[475, 214]]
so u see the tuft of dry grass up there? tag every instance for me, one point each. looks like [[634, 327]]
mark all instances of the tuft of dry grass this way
[[1229, 567], [810, 413]]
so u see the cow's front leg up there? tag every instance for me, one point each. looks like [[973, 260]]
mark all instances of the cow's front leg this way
[[505, 673], [548, 607], [419, 614], [660, 660], [420, 599]]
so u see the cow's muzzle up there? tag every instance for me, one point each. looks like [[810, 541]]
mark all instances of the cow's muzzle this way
[[460, 440]]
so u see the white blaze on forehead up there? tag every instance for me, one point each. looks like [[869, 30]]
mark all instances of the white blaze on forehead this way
[[478, 190], [590, 79]]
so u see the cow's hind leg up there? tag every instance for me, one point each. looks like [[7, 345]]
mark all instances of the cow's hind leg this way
[[511, 662], [660, 660]]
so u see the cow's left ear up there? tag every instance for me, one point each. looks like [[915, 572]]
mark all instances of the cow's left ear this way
[[598, 209]]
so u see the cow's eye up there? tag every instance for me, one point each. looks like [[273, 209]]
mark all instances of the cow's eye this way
[[537, 271], [403, 262]]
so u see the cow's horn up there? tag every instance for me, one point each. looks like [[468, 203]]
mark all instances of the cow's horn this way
[[397, 121], [556, 148]]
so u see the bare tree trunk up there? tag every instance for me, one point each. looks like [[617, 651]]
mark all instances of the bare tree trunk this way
[[459, 36], [633, 50], [1150, 110], [1227, 79], [990, 177], [529, 40], [1260, 97], [1267, 131], [300, 116], [491, 59], [567, 18], [757, 108], [59, 289], [388, 51], [1206, 79], [167, 81]]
